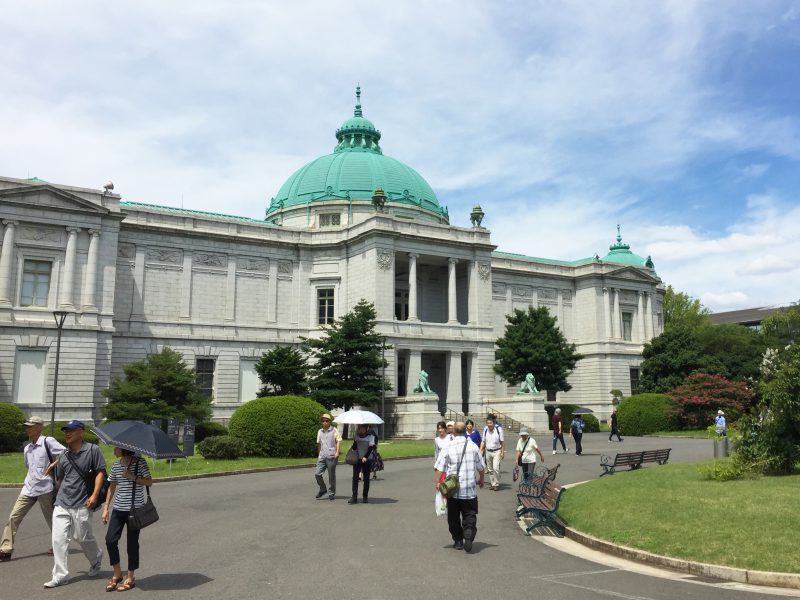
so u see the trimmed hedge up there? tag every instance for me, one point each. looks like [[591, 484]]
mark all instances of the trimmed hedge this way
[[644, 414], [12, 430], [592, 424], [222, 446], [280, 426], [208, 428]]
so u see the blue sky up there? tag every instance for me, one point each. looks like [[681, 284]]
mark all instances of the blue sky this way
[[679, 120]]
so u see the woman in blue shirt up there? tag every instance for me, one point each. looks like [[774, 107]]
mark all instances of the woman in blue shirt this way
[[472, 433]]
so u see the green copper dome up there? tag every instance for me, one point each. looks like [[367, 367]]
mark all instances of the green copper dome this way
[[621, 253], [355, 169]]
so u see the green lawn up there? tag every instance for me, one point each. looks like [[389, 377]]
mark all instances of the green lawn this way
[[13, 471], [692, 433], [670, 510]]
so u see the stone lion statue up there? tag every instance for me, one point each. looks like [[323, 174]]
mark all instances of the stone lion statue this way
[[422, 386], [529, 385]]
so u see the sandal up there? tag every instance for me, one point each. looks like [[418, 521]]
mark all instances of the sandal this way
[[126, 585], [113, 583]]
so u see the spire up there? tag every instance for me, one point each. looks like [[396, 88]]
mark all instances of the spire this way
[[619, 245], [619, 235], [357, 112]]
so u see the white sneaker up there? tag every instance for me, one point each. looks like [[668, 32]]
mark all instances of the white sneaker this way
[[94, 570], [554, 451], [53, 583]]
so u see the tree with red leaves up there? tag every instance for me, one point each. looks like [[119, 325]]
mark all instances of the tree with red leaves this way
[[701, 395]]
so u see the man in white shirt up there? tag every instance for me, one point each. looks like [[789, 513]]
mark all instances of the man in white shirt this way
[[328, 443], [40, 457], [493, 445]]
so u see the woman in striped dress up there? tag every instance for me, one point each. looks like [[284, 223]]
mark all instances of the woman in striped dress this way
[[128, 473]]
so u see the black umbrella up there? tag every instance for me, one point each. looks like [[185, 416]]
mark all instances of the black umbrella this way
[[140, 438], [582, 411]]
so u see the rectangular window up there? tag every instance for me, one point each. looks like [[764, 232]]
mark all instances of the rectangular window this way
[[401, 305], [634, 380], [325, 306], [204, 372], [627, 326], [330, 220], [29, 376], [35, 282], [249, 383]]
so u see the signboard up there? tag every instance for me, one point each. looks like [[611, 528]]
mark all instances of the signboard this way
[[188, 437]]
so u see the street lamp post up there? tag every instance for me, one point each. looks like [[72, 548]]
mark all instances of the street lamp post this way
[[60, 316]]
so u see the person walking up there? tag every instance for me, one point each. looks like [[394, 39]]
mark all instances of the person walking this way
[[614, 426], [80, 472], [127, 482], [558, 430], [328, 444], [463, 459], [720, 425], [472, 433], [365, 445], [493, 447], [527, 449], [576, 431], [40, 456], [441, 441]]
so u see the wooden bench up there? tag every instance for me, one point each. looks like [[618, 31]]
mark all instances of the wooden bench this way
[[534, 487], [633, 460], [543, 507]]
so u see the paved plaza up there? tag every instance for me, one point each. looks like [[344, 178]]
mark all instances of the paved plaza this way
[[264, 535]]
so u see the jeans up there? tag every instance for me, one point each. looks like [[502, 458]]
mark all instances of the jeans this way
[[116, 523], [614, 432], [364, 468], [462, 518], [72, 524], [557, 437], [578, 447], [329, 465], [21, 508], [526, 469]]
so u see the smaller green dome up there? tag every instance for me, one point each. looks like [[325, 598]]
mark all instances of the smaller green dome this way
[[621, 253]]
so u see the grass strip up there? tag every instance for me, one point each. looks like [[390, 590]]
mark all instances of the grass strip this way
[[670, 510], [12, 469]]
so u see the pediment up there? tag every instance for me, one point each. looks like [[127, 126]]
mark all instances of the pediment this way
[[50, 197], [633, 274]]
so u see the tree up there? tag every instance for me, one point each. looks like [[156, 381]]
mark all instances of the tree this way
[[533, 343], [348, 360], [782, 328], [670, 358], [159, 387], [702, 395], [284, 370], [681, 310], [733, 350]]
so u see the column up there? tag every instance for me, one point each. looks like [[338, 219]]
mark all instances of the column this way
[[452, 304], [68, 282], [607, 313], [90, 285], [640, 312], [454, 391], [414, 367], [6, 260], [412, 287], [648, 319], [617, 316]]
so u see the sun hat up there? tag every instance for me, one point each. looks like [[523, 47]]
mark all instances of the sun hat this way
[[719, 412], [523, 431], [74, 424], [34, 421]]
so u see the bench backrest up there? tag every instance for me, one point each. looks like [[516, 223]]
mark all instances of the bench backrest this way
[[655, 455], [550, 492], [627, 458]]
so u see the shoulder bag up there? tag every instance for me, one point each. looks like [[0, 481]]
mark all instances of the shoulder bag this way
[[139, 518], [351, 458], [449, 486]]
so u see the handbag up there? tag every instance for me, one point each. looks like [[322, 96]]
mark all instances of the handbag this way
[[449, 486], [351, 458], [139, 518], [515, 473]]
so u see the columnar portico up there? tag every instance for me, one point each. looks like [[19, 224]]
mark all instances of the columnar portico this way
[[68, 282], [412, 286], [641, 335], [607, 314], [617, 316], [90, 284], [452, 302]]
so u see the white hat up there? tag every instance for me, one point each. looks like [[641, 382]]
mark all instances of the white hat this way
[[719, 412], [523, 431]]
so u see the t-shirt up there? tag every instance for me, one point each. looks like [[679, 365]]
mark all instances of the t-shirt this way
[[363, 444], [440, 443], [529, 455], [72, 493], [492, 439], [327, 442], [122, 495], [558, 424]]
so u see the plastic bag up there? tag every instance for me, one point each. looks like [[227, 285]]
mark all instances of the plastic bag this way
[[515, 473], [440, 504]]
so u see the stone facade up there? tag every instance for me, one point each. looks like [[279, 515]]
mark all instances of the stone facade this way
[[222, 290]]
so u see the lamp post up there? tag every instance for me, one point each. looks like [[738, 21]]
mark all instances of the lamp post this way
[[60, 316]]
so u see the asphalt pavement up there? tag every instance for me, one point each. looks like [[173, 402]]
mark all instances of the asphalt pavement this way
[[265, 535]]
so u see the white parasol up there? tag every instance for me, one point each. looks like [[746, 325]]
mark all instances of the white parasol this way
[[358, 417]]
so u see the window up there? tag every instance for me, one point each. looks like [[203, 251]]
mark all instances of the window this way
[[325, 306], [204, 371], [401, 305], [249, 383], [634, 380], [330, 220], [627, 326], [35, 282], [29, 376]]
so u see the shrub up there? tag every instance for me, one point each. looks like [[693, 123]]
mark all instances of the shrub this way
[[88, 436], [701, 395], [12, 431], [592, 424], [644, 414], [222, 446], [566, 414], [726, 469], [208, 428], [280, 426]]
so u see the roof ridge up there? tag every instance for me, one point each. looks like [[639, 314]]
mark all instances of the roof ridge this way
[[192, 211]]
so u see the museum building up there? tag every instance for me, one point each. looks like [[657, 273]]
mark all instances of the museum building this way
[[221, 290]]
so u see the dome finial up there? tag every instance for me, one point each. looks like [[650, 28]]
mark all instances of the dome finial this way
[[357, 112], [619, 235]]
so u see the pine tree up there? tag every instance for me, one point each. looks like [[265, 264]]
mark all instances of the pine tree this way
[[347, 361], [159, 387], [533, 343], [284, 370]]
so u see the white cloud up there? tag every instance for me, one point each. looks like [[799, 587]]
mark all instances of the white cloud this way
[[727, 300], [768, 264]]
